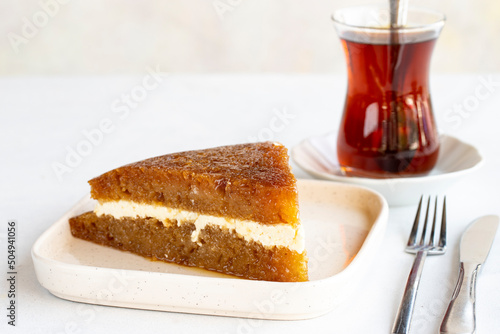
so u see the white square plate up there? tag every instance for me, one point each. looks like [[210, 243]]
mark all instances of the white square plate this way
[[344, 225]]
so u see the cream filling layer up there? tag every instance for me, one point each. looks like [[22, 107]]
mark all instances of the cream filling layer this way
[[268, 235]]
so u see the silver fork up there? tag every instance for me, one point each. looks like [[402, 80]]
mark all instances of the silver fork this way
[[421, 249]]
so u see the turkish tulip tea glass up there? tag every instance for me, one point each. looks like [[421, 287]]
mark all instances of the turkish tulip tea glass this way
[[388, 127]]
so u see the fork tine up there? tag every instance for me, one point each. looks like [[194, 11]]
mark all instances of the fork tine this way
[[424, 231], [413, 234], [442, 236], [433, 229]]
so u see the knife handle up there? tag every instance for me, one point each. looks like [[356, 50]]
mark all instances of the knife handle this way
[[460, 317]]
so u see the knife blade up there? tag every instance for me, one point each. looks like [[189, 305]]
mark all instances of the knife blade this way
[[460, 317]]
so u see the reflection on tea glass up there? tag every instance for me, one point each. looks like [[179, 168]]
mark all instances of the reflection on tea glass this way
[[387, 128]]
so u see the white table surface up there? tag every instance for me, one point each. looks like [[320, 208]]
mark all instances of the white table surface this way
[[43, 118]]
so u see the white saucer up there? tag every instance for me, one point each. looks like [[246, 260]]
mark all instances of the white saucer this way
[[318, 156]]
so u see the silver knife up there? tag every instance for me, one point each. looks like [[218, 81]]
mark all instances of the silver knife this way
[[460, 318]]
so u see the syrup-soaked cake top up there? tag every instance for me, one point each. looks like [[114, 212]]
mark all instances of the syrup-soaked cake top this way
[[246, 181], [265, 163]]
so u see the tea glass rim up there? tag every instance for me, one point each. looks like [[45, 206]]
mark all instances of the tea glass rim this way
[[435, 25]]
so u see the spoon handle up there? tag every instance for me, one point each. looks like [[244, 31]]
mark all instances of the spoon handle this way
[[398, 12]]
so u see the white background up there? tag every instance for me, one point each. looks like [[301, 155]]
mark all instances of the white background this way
[[125, 36]]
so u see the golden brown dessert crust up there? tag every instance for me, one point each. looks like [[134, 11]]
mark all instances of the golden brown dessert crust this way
[[247, 181], [219, 249]]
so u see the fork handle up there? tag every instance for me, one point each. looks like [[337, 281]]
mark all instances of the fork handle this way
[[405, 311], [460, 317]]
